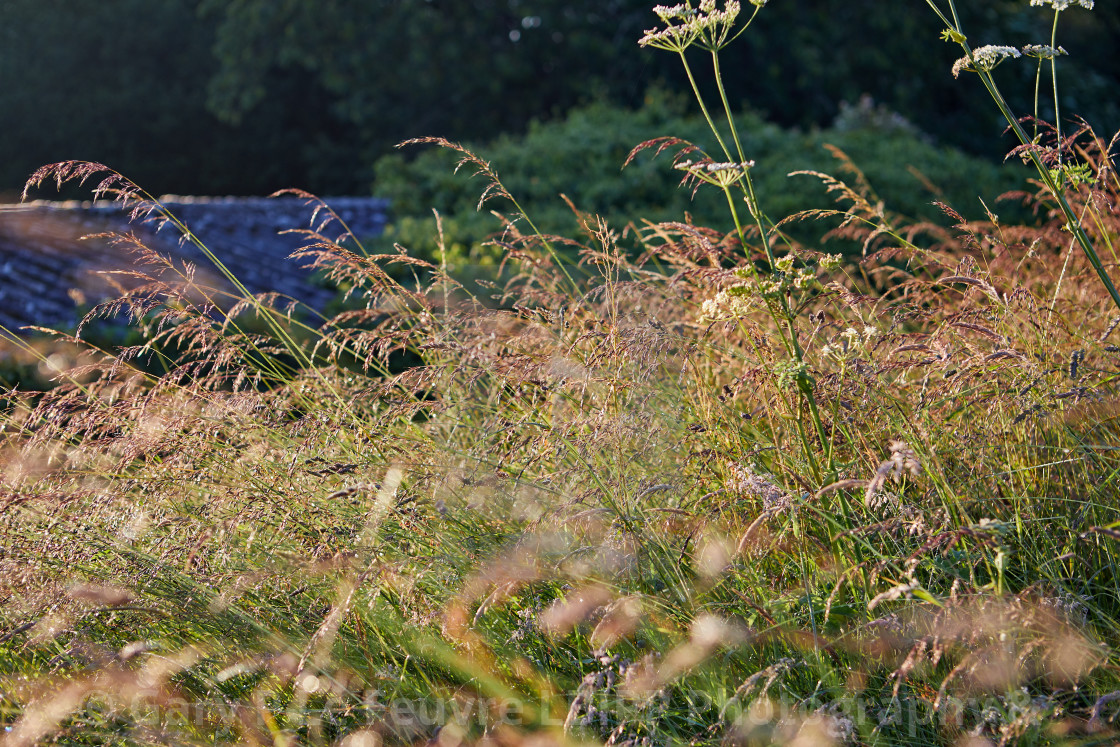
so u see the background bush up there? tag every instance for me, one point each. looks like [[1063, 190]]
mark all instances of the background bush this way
[[581, 156]]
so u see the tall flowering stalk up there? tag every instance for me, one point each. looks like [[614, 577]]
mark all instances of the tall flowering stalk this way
[[712, 28], [983, 61]]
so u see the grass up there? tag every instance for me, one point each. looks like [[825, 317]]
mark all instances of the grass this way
[[702, 486]]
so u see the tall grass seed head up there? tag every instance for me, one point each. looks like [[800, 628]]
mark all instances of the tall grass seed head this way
[[848, 343]]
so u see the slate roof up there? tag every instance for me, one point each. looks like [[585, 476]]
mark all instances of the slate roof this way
[[47, 268]]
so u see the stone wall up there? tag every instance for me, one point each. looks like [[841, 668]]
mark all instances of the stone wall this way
[[52, 265]]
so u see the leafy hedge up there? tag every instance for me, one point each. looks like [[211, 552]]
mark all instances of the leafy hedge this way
[[581, 156]]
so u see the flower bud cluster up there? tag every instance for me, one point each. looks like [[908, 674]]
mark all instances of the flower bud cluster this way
[[984, 59], [1060, 5], [719, 174], [1043, 51], [684, 25]]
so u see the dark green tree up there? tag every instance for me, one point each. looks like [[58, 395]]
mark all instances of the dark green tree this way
[[395, 69], [472, 69], [248, 96], [124, 82]]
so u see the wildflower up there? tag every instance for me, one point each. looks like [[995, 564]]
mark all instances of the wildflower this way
[[1060, 5], [803, 278], [902, 459], [715, 25], [726, 174], [679, 32], [713, 168], [984, 59], [732, 303], [720, 174], [671, 39], [849, 343], [769, 287], [1043, 51], [830, 261], [670, 13], [991, 715], [685, 25]]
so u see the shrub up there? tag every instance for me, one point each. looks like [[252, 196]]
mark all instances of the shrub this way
[[581, 156]]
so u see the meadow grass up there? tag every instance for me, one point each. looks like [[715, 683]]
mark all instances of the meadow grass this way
[[704, 485]]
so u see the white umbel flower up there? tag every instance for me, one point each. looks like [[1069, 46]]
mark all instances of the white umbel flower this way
[[708, 24], [719, 174], [984, 58], [727, 304], [1060, 5], [1043, 51]]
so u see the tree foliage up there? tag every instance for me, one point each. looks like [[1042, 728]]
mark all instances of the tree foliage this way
[[123, 82], [254, 95], [580, 156]]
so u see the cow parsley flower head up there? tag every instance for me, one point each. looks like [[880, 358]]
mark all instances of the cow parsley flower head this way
[[715, 25], [1043, 51], [711, 172], [1060, 5], [680, 28], [685, 24], [984, 59], [829, 262], [670, 13], [731, 303], [714, 167]]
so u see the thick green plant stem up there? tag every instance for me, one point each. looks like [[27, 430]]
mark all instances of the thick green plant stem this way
[[784, 315], [1044, 173], [1054, 81], [793, 346], [1072, 222], [804, 381]]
